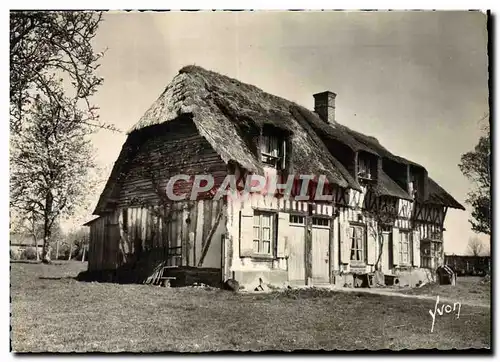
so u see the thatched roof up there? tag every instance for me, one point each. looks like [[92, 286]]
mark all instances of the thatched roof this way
[[357, 141], [226, 110], [332, 132], [386, 186], [90, 222], [439, 196], [227, 113]]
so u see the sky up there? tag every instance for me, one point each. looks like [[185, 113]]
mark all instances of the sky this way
[[417, 81]]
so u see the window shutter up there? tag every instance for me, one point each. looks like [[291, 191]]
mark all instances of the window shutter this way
[[246, 231], [395, 246], [371, 247], [345, 243], [416, 248], [282, 234]]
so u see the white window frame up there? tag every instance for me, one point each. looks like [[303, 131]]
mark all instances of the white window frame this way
[[405, 240], [263, 240], [357, 237]]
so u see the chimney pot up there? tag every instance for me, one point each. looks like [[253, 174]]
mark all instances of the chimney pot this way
[[324, 106]]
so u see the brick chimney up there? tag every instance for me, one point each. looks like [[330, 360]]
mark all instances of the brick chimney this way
[[324, 106]]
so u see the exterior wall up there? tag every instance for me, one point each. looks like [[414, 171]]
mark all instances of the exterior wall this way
[[142, 225], [176, 234], [248, 269], [166, 150], [103, 245], [354, 212], [193, 234]]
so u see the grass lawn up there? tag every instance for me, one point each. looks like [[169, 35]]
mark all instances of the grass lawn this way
[[467, 289], [53, 312]]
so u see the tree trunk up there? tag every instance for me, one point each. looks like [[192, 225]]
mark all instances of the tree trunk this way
[[35, 239], [46, 228], [70, 251], [380, 238], [46, 250], [57, 249], [83, 254]]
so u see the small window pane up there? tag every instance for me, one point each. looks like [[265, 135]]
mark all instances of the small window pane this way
[[256, 219], [256, 246], [256, 231], [266, 247], [296, 219], [266, 234]]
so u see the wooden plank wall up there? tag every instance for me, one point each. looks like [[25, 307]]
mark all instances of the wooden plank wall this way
[[181, 228], [153, 164]]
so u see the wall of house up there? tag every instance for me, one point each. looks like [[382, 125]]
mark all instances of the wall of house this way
[[354, 212], [144, 225], [245, 269], [252, 269], [103, 244], [161, 152], [429, 219], [178, 234]]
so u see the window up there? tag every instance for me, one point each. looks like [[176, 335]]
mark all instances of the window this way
[[357, 237], [365, 168], [404, 247], [413, 187], [386, 228], [272, 149], [320, 221], [297, 219], [430, 253], [426, 251], [263, 232]]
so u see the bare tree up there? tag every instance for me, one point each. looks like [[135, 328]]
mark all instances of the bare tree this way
[[51, 57], [475, 246], [50, 162]]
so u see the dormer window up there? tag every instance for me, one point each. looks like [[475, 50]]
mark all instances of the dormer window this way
[[273, 150], [413, 186], [367, 167], [416, 183]]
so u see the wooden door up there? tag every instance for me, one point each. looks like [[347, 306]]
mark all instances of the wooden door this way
[[320, 250], [297, 250]]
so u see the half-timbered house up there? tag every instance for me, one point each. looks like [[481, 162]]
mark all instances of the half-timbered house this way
[[384, 214]]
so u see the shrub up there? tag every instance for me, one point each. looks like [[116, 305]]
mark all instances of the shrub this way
[[15, 254], [29, 253]]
